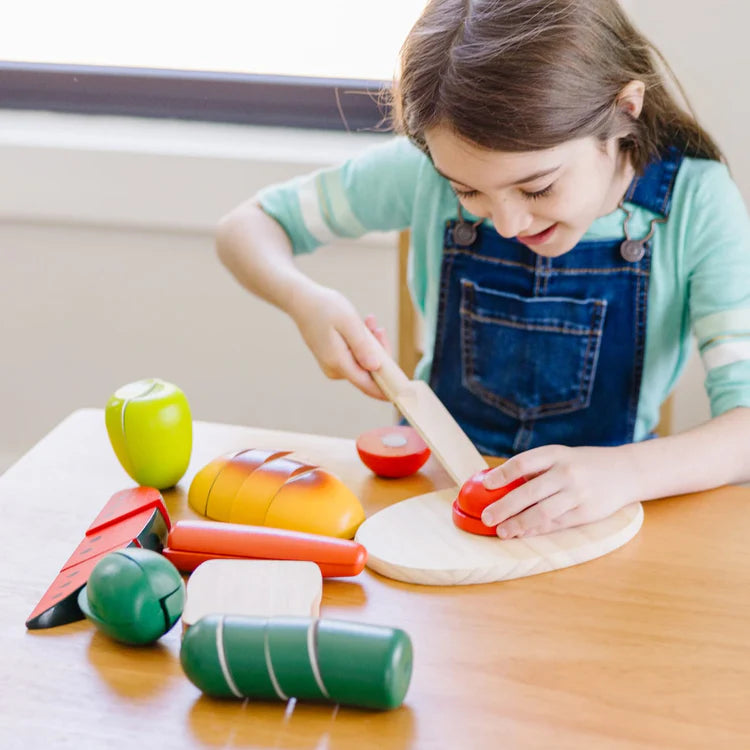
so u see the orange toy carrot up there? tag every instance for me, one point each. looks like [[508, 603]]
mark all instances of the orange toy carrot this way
[[192, 542]]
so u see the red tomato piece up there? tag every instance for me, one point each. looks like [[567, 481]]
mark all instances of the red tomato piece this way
[[469, 523], [393, 451], [474, 497]]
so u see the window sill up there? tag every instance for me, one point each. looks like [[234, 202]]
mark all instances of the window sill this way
[[163, 175]]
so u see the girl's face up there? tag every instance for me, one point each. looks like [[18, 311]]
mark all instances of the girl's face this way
[[546, 199]]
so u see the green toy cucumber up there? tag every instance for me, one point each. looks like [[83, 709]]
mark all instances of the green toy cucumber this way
[[298, 657]]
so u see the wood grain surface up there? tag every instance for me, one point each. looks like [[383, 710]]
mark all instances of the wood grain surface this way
[[647, 647], [416, 541]]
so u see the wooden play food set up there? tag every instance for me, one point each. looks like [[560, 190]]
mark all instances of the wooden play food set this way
[[267, 488], [136, 595], [251, 610]]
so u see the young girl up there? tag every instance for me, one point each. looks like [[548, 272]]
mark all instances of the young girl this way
[[570, 226]]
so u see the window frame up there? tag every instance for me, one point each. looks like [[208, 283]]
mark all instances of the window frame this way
[[241, 98]]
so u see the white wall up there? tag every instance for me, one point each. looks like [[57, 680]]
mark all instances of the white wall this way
[[107, 271], [108, 274], [706, 46]]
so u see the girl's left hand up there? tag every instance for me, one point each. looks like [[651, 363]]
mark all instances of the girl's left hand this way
[[565, 487]]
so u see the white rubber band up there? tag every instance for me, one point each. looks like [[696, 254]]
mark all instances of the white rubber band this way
[[269, 667], [312, 652], [223, 659]]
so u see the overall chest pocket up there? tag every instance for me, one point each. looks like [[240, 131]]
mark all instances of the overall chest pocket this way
[[530, 357]]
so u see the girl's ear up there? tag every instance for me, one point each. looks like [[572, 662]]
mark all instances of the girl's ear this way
[[630, 98]]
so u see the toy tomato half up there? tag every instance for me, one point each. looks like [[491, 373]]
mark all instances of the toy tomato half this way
[[465, 522], [473, 498], [392, 451]]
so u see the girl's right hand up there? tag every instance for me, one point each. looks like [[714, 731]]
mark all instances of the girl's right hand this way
[[338, 337]]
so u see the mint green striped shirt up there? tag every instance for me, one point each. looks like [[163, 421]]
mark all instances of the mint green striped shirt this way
[[700, 270]]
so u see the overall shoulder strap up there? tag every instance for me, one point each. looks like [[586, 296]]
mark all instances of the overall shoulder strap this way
[[653, 188]]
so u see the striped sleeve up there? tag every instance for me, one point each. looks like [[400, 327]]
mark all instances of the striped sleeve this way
[[719, 288], [371, 192], [724, 337]]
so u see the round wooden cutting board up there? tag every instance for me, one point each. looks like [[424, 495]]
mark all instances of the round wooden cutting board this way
[[416, 541]]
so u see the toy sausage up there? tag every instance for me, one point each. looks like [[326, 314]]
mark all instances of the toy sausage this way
[[192, 542]]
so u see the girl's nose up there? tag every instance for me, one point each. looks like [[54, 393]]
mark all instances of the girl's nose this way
[[510, 218]]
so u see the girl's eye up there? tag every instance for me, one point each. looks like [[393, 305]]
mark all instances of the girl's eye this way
[[465, 193], [532, 196]]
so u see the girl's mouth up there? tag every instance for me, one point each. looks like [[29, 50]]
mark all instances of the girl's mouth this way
[[539, 237]]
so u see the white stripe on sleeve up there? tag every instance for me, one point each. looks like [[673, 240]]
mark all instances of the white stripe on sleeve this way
[[342, 217], [725, 354], [312, 216]]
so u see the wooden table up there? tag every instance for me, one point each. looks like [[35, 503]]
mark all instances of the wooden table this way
[[648, 647]]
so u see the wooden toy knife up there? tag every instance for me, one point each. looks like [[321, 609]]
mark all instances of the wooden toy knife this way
[[426, 413]]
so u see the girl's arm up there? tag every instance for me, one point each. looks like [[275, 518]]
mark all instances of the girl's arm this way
[[570, 486], [257, 251], [710, 455]]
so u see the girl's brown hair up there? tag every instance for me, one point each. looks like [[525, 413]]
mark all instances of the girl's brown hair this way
[[525, 75]]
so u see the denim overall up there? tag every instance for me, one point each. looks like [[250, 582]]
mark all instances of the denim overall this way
[[531, 351]]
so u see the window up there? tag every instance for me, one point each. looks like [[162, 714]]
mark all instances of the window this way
[[309, 64]]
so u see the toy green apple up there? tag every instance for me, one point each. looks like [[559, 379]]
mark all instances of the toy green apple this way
[[151, 430]]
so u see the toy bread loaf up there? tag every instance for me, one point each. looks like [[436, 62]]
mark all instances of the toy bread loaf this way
[[298, 657], [269, 488]]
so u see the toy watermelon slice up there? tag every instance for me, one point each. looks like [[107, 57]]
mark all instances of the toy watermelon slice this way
[[130, 518]]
